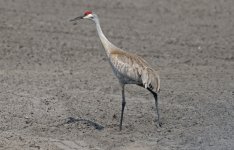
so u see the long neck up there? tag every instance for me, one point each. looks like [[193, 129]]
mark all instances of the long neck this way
[[105, 42]]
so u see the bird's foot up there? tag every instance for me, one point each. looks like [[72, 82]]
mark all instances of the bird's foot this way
[[160, 124], [120, 128]]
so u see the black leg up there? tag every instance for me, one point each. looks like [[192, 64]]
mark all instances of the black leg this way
[[123, 105], [156, 105]]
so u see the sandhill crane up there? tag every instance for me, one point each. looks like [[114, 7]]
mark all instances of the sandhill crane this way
[[127, 67]]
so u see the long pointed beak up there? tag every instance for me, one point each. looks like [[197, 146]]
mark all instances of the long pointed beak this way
[[77, 18]]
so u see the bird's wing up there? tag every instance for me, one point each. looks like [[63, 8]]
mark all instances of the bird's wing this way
[[135, 68], [127, 65]]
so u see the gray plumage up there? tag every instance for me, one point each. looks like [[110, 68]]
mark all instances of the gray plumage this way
[[127, 67]]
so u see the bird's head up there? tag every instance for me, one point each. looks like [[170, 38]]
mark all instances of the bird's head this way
[[87, 15]]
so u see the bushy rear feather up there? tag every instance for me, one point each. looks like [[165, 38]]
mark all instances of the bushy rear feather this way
[[150, 79]]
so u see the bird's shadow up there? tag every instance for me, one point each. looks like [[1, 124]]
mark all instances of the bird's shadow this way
[[91, 123]]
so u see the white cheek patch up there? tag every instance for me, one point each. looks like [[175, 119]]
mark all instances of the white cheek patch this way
[[88, 16]]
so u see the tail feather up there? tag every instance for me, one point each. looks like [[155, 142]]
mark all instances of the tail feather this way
[[150, 79]]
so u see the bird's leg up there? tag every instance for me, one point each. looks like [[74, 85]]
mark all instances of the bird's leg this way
[[156, 104], [123, 105]]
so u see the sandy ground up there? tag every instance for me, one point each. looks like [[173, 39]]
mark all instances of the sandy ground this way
[[51, 70]]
